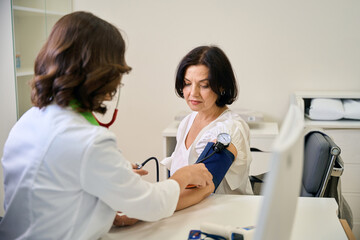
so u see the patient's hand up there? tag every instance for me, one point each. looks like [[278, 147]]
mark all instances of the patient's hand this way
[[123, 220]]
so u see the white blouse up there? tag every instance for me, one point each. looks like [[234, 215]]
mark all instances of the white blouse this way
[[236, 180]]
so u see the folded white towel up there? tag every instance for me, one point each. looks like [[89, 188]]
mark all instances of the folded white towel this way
[[326, 109], [351, 108]]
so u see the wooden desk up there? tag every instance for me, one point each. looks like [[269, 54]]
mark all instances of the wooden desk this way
[[315, 219]]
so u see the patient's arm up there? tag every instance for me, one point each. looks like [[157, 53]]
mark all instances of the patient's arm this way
[[232, 149], [192, 196], [189, 197]]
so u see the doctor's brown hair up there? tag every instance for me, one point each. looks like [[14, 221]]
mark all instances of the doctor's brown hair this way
[[82, 59]]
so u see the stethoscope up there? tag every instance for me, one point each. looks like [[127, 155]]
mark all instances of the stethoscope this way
[[139, 166], [107, 125]]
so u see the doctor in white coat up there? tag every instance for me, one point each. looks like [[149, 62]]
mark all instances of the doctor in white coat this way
[[64, 176]]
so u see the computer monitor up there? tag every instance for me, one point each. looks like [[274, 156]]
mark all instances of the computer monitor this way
[[282, 184]]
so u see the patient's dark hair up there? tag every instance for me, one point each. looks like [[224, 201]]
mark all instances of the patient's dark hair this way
[[83, 59], [221, 76]]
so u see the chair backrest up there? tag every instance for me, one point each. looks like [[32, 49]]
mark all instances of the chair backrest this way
[[320, 156]]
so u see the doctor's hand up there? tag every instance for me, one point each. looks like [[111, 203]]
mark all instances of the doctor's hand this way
[[141, 172], [121, 220], [196, 174]]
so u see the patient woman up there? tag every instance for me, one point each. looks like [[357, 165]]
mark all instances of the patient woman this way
[[206, 81]]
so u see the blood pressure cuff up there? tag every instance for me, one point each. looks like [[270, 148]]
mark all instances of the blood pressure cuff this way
[[218, 164]]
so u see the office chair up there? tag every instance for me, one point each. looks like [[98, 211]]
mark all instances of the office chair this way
[[322, 169], [322, 161]]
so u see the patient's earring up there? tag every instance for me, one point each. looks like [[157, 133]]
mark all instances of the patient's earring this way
[[222, 93]]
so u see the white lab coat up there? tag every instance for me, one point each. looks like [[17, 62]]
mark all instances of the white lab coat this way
[[65, 179], [236, 180]]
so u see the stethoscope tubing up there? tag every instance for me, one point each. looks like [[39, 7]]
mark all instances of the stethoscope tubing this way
[[107, 125]]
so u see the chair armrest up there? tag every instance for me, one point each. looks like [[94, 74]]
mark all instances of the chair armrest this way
[[338, 168]]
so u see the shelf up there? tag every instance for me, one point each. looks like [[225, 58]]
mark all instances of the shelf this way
[[24, 72], [264, 129], [303, 101], [343, 123], [328, 94], [26, 11]]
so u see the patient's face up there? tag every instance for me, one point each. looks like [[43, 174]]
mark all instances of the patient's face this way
[[197, 91]]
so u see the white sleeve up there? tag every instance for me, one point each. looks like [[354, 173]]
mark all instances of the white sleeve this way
[[109, 176], [230, 127]]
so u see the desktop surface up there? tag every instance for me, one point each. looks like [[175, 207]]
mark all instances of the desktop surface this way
[[315, 219]]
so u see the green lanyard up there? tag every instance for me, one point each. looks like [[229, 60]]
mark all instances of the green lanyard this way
[[74, 104]]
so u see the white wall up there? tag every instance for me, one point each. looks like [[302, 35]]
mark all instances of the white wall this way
[[276, 47], [7, 83]]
